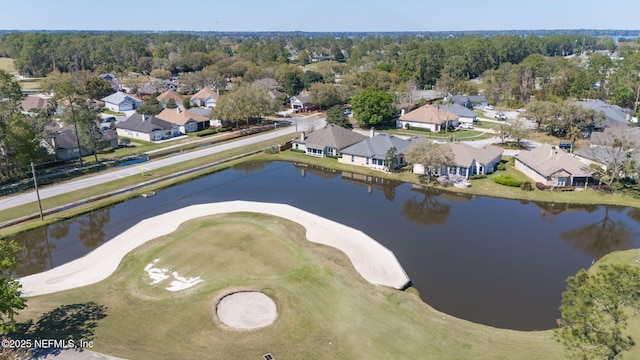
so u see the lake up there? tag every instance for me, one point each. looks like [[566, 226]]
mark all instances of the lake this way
[[492, 261]]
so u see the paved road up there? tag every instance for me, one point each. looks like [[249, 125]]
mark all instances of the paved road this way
[[47, 192]]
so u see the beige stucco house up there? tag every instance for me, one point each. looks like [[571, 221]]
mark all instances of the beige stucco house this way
[[553, 166]]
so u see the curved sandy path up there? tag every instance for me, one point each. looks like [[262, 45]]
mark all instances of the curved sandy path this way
[[377, 264]]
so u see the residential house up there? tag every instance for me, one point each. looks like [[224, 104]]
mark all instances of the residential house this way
[[327, 141], [64, 144], [468, 160], [301, 101], [120, 101], [34, 103], [614, 116], [464, 115], [372, 152], [470, 101], [186, 120], [170, 94], [205, 98], [428, 117], [553, 167], [148, 128]]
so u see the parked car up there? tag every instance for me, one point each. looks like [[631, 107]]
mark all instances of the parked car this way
[[565, 145], [109, 119], [488, 108], [465, 126], [500, 116]]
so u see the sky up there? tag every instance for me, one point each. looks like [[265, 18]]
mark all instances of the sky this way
[[319, 15]]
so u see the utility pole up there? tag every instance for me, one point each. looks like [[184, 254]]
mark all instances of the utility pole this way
[[35, 183], [75, 126]]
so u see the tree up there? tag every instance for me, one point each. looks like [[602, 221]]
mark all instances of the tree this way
[[518, 130], [373, 108], [501, 131], [290, 77], [326, 95], [244, 104], [171, 104], [336, 116], [150, 107], [11, 299], [616, 154], [97, 88], [79, 113], [390, 159], [430, 155], [595, 308]]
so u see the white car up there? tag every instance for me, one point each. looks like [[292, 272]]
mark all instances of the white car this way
[[440, 141], [465, 126], [488, 108]]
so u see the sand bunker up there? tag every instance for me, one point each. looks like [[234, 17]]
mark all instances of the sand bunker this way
[[247, 310]]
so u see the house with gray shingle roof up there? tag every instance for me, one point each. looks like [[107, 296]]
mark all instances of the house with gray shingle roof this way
[[468, 160], [470, 101], [120, 101], [301, 101], [464, 115], [373, 151], [64, 144], [553, 166], [327, 141], [614, 116], [148, 128]]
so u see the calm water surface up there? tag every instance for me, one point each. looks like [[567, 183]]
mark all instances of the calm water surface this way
[[491, 261]]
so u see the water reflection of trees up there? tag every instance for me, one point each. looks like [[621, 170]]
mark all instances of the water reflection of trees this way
[[634, 213], [250, 166], [426, 209], [36, 251], [601, 237], [91, 227], [549, 210]]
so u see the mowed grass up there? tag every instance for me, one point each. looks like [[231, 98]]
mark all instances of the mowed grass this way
[[7, 65], [326, 310]]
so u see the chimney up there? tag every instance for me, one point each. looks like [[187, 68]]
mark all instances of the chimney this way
[[371, 132], [402, 112], [302, 136], [554, 151], [178, 110]]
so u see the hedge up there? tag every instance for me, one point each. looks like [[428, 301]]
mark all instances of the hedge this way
[[507, 180]]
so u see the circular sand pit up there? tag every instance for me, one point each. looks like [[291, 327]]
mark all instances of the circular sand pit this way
[[247, 310]]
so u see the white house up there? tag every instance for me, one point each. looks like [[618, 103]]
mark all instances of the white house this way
[[205, 98], [468, 160], [148, 128], [120, 101], [428, 117]]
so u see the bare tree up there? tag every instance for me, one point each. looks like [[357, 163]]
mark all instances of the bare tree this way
[[432, 156], [614, 150]]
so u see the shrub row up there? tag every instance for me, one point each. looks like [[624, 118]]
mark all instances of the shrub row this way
[[501, 166], [478, 176], [507, 180]]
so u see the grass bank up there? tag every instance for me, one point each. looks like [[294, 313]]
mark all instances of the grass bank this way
[[115, 185], [326, 309]]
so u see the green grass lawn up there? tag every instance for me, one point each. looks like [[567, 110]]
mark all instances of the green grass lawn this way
[[326, 310], [7, 65], [461, 135]]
